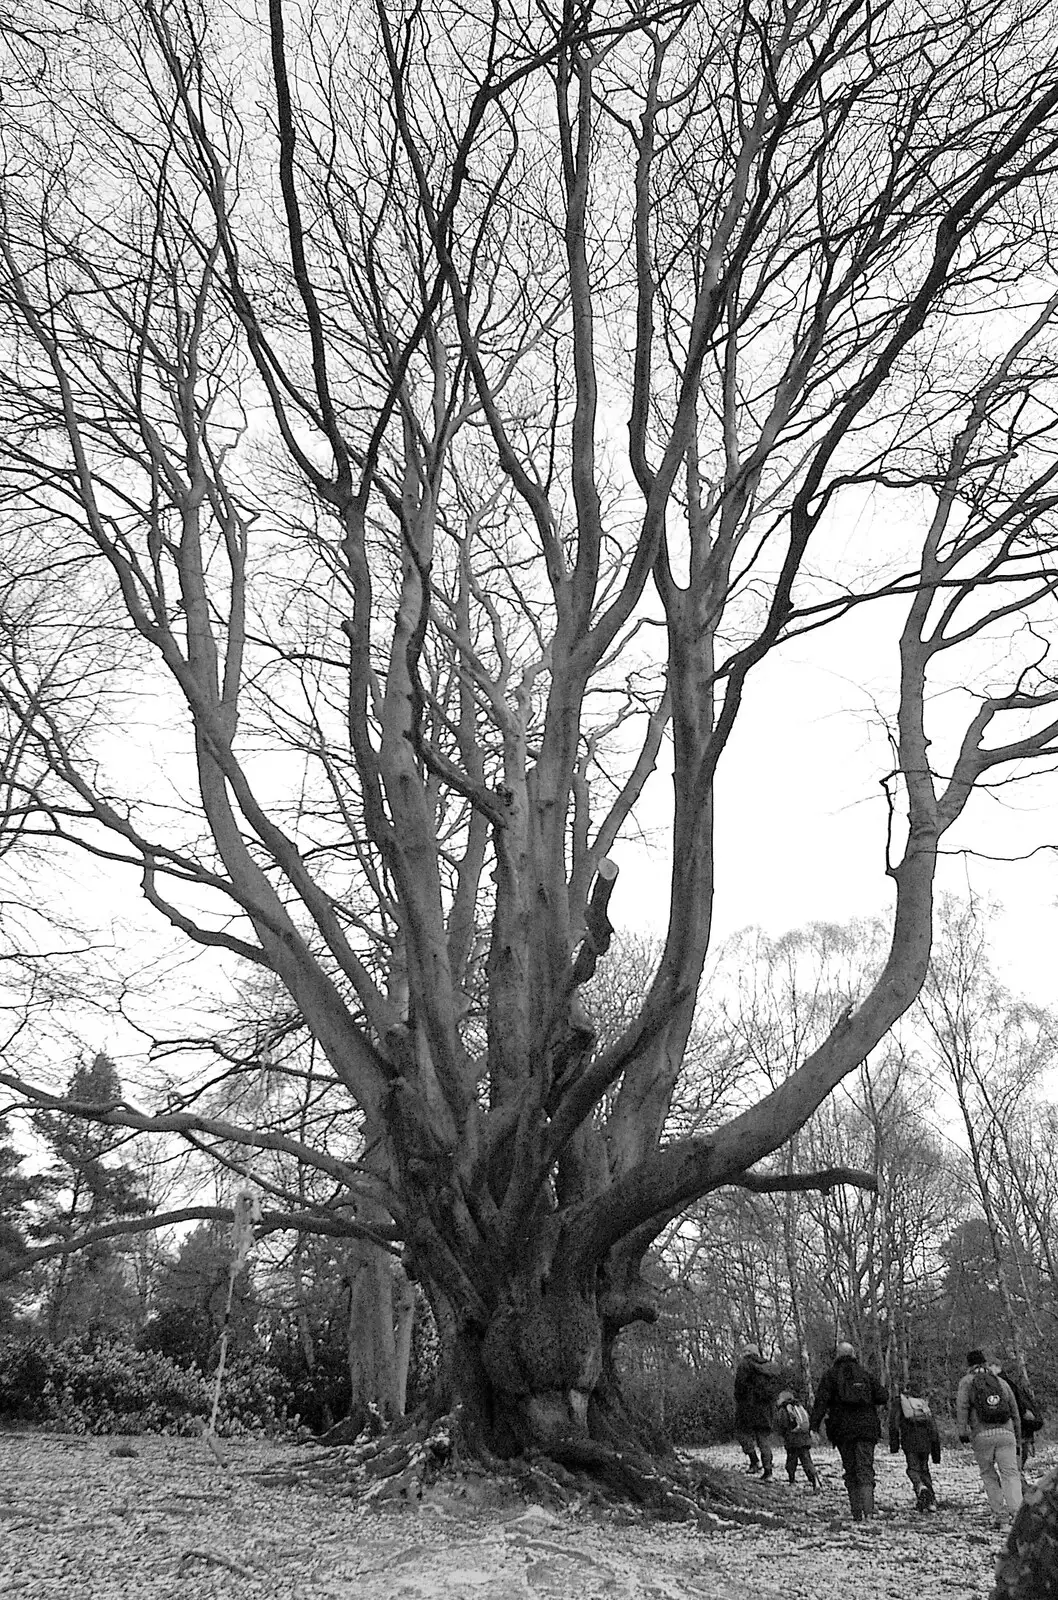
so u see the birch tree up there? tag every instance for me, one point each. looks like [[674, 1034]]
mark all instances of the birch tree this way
[[992, 1051]]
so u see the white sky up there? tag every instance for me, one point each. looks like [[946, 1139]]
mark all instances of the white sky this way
[[801, 818]]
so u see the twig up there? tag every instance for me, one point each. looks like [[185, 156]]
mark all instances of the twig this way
[[214, 1558]]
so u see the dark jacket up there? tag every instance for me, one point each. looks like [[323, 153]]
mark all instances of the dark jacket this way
[[916, 1436], [757, 1382], [1030, 1413], [845, 1421]]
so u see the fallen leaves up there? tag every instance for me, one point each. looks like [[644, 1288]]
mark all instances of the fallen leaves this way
[[95, 1520]]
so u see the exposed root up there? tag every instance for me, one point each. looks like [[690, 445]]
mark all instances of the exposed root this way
[[628, 1476], [387, 1466], [575, 1473], [734, 1497]]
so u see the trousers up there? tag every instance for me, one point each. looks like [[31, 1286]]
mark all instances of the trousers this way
[[996, 1450], [857, 1458], [757, 1441]]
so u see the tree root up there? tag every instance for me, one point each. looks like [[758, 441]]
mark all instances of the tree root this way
[[734, 1497], [574, 1472], [373, 1467], [628, 1477]]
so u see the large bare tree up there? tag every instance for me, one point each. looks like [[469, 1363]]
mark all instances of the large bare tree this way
[[417, 421]]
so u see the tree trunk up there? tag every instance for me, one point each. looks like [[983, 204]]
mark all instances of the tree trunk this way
[[404, 1307], [992, 1223], [539, 1377], [791, 1222], [370, 1339]]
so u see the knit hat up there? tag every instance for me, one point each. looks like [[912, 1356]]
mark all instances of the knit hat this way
[[975, 1358], [751, 1350], [787, 1394], [845, 1349]]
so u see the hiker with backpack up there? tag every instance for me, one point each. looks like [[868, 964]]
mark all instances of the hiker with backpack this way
[[848, 1397], [792, 1423], [987, 1416], [757, 1382], [1030, 1413], [913, 1428]]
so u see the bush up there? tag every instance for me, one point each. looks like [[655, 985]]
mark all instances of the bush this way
[[319, 1395], [110, 1387], [254, 1398], [692, 1406], [702, 1407], [24, 1369]]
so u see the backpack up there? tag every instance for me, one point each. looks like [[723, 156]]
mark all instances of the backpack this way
[[915, 1409], [798, 1415], [988, 1399], [852, 1384]]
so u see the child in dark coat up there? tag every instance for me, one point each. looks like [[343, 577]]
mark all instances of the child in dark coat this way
[[913, 1429], [792, 1423]]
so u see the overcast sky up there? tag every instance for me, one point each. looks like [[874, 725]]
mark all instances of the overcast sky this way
[[801, 816]]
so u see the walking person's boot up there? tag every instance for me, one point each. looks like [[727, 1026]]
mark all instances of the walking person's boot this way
[[855, 1503], [867, 1499]]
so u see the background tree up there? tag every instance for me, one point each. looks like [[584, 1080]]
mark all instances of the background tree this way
[[309, 1319], [268, 1078], [190, 1299], [908, 1270], [81, 1189], [993, 1051], [16, 1191], [427, 421]]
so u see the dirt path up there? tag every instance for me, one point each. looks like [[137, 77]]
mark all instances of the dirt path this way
[[82, 1523]]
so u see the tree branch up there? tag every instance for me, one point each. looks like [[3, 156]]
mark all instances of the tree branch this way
[[795, 1182], [271, 1222]]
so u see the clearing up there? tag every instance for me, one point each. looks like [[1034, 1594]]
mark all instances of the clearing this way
[[78, 1520]]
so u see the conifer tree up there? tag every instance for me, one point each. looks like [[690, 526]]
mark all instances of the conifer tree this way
[[85, 1186]]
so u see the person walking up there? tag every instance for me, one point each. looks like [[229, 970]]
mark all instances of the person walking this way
[[848, 1398], [986, 1414], [913, 1428], [757, 1382], [1030, 1412], [792, 1423]]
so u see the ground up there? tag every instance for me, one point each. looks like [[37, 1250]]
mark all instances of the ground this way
[[99, 1519]]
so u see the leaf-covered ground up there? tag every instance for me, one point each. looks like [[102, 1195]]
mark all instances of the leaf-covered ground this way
[[86, 1519]]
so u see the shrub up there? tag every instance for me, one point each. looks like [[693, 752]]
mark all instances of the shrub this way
[[254, 1398], [24, 1371], [701, 1406], [690, 1405], [319, 1395], [111, 1387]]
